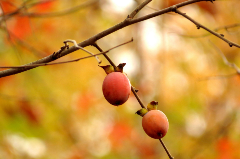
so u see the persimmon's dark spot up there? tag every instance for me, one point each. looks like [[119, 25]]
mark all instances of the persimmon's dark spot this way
[[118, 102], [159, 134]]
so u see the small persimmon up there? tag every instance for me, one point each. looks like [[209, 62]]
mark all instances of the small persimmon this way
[[155, 124], [116, 88]]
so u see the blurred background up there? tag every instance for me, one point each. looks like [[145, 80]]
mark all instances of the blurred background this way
[[59, 111]]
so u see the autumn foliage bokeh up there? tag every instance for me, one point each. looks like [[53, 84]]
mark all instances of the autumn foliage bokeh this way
[[59, 111]]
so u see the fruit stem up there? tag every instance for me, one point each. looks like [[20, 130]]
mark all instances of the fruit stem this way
[[106, 56], [165, 148], [115, 67], [138, 99], [134, 92]]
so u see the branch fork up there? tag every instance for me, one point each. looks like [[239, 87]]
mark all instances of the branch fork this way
[[78, 47], [174, 8]]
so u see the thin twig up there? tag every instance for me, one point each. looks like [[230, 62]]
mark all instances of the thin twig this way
[[163, 11], [55, 63], [60, 13], [139, 7], [221, 36], [76, 45], [45, 15], [17, 11], [216, 30], [138, 99], [114, 65], [217, 77], [205, 35], [225, 60], [165, 148], [105, 55], [5, 23], [25, 44]]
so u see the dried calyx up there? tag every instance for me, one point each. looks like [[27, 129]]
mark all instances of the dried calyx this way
[[109, 68]]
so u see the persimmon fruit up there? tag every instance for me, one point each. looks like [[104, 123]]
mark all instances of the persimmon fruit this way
[[116, 88], [155, 124]]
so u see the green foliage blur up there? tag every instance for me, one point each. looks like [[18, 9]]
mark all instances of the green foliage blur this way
[[59, 111]]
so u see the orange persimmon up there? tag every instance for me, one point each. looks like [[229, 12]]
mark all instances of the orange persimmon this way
[[155, 124]]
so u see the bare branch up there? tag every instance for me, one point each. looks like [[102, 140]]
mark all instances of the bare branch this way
[[18, 10], [56, 63], [138, 99], [221, 36], [60, 13], [106, 56], [227, 27], [96, 37], [225, 60], [46, 15], [217, 77], [76, 45], [165, 148], [23, 43], [132, 15]]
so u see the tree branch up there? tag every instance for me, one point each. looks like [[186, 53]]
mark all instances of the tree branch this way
[[105, 55], [225, 60], [69, 61], [132, 15], [93, 39], [60, 13], [227, 27], [221, 36], [165, 148]]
